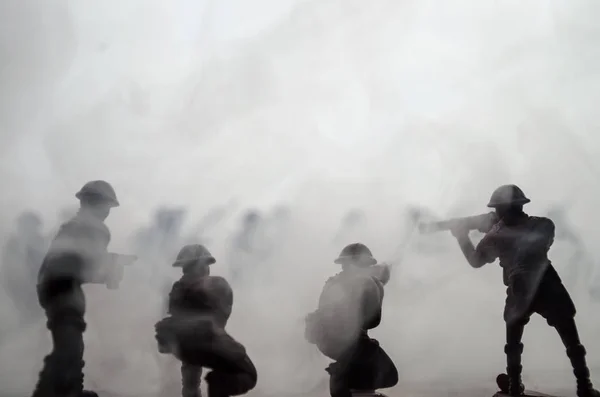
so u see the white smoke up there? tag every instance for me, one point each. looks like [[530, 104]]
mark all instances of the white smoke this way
[[326, 105]]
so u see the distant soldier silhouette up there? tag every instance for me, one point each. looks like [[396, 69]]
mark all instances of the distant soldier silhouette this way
[[521, 243], [248, 249], [580, 267], [161, 239], [205, 229], [352, 223], [277, 231], [415, 215], [199, 308], [21, 260], [349, 306], [77, 255]]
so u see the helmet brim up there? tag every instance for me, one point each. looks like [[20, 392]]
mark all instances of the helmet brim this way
[[514, 202], [349, 260], [202, 261], [110, 202]]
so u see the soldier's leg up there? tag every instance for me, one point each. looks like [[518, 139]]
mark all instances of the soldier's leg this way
[[232, 381], [567, 329], [557, 307], [233, 373], [372, 368], [340, 373], [62, 373], [513, 349], [190, 380], [339, 385]]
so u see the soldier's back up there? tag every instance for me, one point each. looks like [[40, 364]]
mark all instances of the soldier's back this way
[[349, 305], [78, 244], [202, 295]]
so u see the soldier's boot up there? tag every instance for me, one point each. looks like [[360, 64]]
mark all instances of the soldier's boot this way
[[61, 379], [190, 380], [510, 382], [582, 373], [81, 390], [45, 385]]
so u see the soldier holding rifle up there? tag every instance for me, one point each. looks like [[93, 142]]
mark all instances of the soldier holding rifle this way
[[77, 255], [521, 243]]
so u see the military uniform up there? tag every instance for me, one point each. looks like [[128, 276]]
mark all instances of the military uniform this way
[[521, 243], [77, 255], [199, 308], [350, 305]]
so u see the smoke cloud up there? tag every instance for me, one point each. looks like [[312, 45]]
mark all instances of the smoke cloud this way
[[324, 106]]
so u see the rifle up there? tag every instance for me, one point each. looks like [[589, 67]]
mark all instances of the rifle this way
[[482, 223]]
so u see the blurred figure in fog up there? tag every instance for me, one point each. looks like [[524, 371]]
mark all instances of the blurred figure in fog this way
[[155, 245], [580, 266], [78, 255], [159, 242], [351, 226], [205, 229], [349, 306], [21, 260], [413, 216], [199, 308], [247, 250], [64, 215], [277, 231]]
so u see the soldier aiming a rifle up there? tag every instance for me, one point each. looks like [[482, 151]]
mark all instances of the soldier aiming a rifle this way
[[521, 243], [77, 255]]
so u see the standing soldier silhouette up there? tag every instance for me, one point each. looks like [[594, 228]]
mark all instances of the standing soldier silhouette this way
[[521, 243], [77, 255]]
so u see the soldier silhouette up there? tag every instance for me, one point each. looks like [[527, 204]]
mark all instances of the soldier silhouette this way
[[521, 243]]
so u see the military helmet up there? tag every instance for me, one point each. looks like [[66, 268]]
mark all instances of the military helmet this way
[[99, 191], [356, 253], [508, 195], [251, 217], [29, 219], [194, 254]]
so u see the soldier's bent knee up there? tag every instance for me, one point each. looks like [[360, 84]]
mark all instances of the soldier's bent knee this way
[[231, 384]]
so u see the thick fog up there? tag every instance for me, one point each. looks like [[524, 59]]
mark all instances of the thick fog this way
[[324, 107]]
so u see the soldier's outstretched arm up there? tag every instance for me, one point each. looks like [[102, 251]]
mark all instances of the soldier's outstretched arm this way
[[477, 257]]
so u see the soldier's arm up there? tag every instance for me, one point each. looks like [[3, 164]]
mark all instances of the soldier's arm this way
[[174, 298], [91, 241], [481, 255], [542, 237], [372, 303], [381, 272], [549, 231], [225, 295]]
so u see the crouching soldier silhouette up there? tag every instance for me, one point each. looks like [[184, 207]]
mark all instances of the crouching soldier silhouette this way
[[77, 255], [521, 242], [199, 307], [350, 305]]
